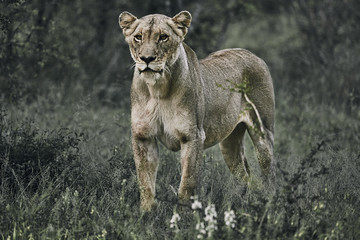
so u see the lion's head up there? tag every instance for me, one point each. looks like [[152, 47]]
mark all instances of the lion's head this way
[[154, 40]]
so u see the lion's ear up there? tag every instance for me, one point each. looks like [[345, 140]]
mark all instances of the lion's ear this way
[[182, 21], [126, 19]]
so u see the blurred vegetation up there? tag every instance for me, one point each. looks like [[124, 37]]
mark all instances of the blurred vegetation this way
[[66, 165], [312, 50]]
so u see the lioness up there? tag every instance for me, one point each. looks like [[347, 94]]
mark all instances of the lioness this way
[[178, 100]]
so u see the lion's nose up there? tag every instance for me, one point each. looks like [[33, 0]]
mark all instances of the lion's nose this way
[[148, 60]]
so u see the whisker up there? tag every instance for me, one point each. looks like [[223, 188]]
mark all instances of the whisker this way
[[133, 65]]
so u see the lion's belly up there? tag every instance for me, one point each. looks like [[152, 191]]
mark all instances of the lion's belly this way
[[221, 117], [219, 128]]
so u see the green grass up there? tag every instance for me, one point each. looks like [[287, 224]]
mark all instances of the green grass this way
[[67, 173]]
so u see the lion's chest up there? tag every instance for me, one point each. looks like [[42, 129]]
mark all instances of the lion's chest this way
[[160, 119]]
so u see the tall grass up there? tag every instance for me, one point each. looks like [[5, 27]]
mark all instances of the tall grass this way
[[67, 173]]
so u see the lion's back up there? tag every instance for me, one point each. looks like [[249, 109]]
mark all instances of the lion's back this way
[[232, 62]]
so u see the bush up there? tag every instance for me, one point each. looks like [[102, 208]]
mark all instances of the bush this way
[[27, 155]]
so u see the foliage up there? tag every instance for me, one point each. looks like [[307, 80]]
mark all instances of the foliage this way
[[327, 58], [83, 42], [27, 155], [92, 195]]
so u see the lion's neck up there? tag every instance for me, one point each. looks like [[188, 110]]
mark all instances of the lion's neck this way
[[161, 85], [157, 84]]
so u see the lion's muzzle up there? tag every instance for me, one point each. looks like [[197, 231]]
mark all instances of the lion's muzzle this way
[[150, 67]]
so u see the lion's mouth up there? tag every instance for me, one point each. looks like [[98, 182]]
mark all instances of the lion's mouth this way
[[147, 69]]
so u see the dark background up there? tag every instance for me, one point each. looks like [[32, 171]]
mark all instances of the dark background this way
[[311, 47]]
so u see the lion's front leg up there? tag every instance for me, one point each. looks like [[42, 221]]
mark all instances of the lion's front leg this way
[[191, 153], [146, 161]]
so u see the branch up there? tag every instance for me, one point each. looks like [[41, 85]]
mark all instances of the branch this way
[[256, 112]]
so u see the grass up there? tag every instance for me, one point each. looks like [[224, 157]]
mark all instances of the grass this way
[[67, 173]]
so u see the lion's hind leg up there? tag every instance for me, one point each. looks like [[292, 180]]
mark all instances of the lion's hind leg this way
[[232, 149], [263, 140], [264, 145], [261, 136]]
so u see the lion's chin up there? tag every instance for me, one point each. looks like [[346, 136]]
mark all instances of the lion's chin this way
[[151, 77]]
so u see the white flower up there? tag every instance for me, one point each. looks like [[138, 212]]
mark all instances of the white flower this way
[[210, 211], [229, 217], [210, 218], [200, 227], [174, 220], [196, 204]]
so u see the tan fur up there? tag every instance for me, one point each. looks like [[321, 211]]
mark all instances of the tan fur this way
[[176, 99]]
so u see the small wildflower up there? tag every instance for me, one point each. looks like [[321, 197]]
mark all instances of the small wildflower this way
[[210, 218], [123, 182], [210, 211], [230, 218], [93, 210], [31, 237], [116, 149], [103, 233], [174, 220], [196, 204], [200, 227]]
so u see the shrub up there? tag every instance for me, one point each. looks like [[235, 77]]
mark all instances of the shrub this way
[[29, 156]]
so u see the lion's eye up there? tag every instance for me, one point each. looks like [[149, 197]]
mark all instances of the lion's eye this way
[[163, 37], [138, 38]]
